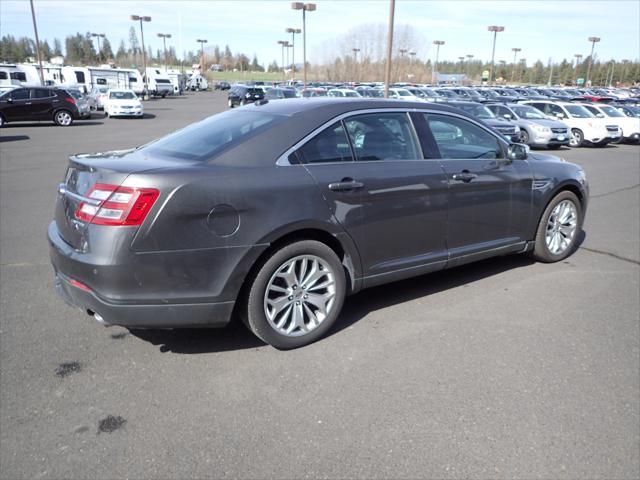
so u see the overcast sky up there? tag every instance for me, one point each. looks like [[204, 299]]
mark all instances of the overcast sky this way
[[543, 29]]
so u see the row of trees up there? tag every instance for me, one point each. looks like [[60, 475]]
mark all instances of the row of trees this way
[[358, 55], [82, 49]]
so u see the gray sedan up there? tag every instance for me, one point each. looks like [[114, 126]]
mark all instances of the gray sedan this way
[[273, 213], [536, 129]]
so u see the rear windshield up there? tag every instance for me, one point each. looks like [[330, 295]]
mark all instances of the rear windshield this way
[[255, 91], [201, 141]]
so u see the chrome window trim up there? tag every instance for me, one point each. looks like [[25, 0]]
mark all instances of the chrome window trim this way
[[283, 160]]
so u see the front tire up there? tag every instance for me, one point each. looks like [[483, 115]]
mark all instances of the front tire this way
[[2, 122], [524, 136], [230, 104], [63, 118], [576, 138], [559, 228], [296, 295]]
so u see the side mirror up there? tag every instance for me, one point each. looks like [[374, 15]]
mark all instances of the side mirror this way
[[600, 115], [507, 116], [518, 151], [559, 115], [9, 100]]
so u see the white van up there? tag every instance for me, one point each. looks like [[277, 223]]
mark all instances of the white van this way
[[158, 82], [197, 82]]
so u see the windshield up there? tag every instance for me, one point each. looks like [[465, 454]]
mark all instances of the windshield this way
[[447, 93], [578, 111], [631, 111], [201, 141], [529, 113], [490, 93], [478, 111], [122, 95], [611, 112]]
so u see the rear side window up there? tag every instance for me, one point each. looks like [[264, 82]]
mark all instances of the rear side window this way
[[383, 136], [41, 93], [329, 146], [203, 140], [460, 139]]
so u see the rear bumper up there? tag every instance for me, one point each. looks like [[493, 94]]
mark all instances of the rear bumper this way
[[153, 290], [143, 316]]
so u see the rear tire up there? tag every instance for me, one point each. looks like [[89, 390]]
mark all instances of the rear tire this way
[[559, 228], [296, 295], [63, 118]]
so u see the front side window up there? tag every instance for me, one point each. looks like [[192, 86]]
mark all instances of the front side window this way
[[41, 93], [460, 139], [383, 136], [329, 146], [555, 110]]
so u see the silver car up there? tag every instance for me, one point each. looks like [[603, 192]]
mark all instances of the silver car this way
[[536, 128], [82, 102]]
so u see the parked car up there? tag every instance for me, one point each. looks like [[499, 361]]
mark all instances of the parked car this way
[[97, 96], [313, 92], [536, 128], [343, 92], [82, 102], [38, 103], [629, 126], [276, 211], [123, 103], [585, 128], [481, 112], [243, 94], [280, 93], [222, 86]]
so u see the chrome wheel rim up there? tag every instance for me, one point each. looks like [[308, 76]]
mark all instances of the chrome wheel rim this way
[[64, 118], [300, 295], [574, 139], [561, 227]]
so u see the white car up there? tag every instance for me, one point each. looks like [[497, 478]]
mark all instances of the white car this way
[[123, 103], [343, 92], [585, 127], [403, 94], [629, 126]]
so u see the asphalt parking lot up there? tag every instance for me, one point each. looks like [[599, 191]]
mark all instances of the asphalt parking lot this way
[[500, 369]]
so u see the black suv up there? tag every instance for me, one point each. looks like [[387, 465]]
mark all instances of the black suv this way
[[38, 103], [242, 94]]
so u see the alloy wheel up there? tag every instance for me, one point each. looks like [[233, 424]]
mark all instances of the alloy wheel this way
[[561, 227], [300, 295], [64, 118]]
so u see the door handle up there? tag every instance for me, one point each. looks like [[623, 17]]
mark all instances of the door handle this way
[[345, 185], [27, 103], [464, 176]]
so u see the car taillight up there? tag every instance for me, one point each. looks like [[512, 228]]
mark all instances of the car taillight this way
[[117, 205], [70, 100]]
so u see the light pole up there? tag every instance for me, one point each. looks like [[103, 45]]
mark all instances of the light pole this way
[[164, 37], [515, 51], [593, 41], [523, 62], [202, 41], [355, 63], [437, 43], [575, 73], [387, 67], [282, 43], [141, 19], [613, 68], [469, 58], [624, 70], [293, 32], [461, 62], [38, 52], [98, 36], [305, 7], [495, 29]]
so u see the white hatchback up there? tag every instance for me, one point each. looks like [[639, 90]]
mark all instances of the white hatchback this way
[[123, 103]]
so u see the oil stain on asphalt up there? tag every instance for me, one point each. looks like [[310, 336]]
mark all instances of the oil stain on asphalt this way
[[110, 424], [68, 368], [119, 336]]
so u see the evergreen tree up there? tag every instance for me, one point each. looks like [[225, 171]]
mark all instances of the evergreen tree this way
[[57, 47], [106, 53]]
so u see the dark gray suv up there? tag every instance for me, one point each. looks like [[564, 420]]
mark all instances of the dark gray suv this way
[[276, 211]]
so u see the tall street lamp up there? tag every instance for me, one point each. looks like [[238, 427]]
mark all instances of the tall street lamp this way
[[98, 36], [469, 58], [437, 43], [523, 63], [39, 53], [515, 51], [355, 62], [624, 69], [201, 41], [593, 41], [387, 67], [575, 73], [164, 37], [412, 56], [305, 7], [141, 19], [461, 63], [293, 32], [495, 29], [282, 44]]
